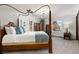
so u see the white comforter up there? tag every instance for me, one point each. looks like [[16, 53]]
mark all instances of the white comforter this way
[[26, 37]]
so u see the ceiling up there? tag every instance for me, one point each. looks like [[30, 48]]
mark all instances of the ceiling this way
[[64, 10], [58, 10]]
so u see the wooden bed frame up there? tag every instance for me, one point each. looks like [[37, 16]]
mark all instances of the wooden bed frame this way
[[26, 46]]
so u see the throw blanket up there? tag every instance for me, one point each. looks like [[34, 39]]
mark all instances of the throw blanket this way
[[41, 37]]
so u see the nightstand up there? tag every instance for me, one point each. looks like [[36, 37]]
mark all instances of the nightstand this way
[[67, 35]]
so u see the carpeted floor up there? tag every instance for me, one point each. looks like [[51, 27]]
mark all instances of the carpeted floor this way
[[60, 46]]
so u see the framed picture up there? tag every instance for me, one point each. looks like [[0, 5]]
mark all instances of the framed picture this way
[[57, 25]]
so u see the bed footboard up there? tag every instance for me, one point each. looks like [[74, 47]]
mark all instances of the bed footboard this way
[[24, 47]]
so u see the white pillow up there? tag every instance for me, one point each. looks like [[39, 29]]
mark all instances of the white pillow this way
[[10, 30], [7, 29]]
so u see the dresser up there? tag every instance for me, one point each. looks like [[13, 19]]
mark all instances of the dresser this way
[[36, 26]]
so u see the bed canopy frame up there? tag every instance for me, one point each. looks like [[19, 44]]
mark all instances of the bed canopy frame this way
[[30, 11]]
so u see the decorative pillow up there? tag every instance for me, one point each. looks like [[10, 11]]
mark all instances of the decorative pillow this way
[[18, 31], [10, 30], [22, 29]]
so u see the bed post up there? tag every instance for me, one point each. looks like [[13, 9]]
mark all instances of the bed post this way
[[1, 42], [0, 48], [50, 39]]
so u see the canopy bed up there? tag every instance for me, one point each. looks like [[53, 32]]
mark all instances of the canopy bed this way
[[30, 40]]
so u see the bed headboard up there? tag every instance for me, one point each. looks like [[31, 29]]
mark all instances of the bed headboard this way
[[10, 24]]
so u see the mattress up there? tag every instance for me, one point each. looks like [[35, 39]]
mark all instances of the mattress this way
[[22, 38]]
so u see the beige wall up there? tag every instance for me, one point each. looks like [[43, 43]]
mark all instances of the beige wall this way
[[67, 13]]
